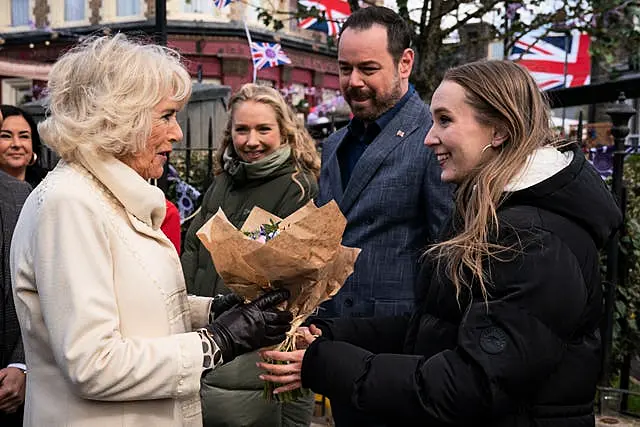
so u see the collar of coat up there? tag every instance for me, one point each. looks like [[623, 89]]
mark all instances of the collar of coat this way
[[139, 198], [540, 165]]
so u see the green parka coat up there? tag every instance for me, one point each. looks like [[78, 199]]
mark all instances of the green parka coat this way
[[232, 394]]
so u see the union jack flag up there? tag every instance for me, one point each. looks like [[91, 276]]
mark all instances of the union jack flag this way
[[267, 55], [220, 4], [545, 58], [335, 13]]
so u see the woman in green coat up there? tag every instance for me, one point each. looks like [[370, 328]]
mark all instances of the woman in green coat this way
[[268, 159]]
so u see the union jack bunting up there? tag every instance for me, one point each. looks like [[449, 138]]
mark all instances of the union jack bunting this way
[[267, 55], [220, 4], [335, 12], [545, 58]]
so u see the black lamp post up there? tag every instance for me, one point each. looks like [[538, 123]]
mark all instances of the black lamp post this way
[[161, 39], [620, 114], [161, 22]]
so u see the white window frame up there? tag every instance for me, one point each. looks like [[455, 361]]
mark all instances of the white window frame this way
[[109, 12], [265, 82], [29, 9], [78, 3], [130, 2], [13, 88], [176, 11], [57, 8], [495, 50], [198, 6], [5, 17]]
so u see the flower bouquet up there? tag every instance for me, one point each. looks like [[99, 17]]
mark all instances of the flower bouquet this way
[[301, 253]]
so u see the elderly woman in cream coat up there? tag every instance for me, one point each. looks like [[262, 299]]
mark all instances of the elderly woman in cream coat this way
[[99, 289]]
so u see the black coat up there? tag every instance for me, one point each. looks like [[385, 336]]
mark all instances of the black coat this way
[[529, 356], [13, 193], [12, 196]]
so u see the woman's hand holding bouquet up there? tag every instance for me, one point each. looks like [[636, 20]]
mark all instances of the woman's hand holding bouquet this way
[[287, 371]]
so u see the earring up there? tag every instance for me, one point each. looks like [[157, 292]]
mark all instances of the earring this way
[[33, 160], [486, 147]]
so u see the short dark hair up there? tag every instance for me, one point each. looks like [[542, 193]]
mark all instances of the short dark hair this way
[[399, 33]]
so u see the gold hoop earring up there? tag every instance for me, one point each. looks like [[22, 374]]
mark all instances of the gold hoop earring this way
[[33, 160], [486, 147]]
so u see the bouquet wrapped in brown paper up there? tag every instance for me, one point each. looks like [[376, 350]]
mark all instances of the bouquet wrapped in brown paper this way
[[301, 253]]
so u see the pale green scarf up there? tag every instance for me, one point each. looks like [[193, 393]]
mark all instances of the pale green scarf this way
[[242, 171]]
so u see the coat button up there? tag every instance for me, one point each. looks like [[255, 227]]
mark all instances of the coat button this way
[[370, 220], [348, 302]]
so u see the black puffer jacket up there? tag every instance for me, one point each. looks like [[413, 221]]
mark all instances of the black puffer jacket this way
[[529, 356]]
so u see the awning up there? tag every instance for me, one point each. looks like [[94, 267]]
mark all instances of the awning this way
[[24, 69]]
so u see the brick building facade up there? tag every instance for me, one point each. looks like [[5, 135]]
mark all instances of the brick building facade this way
[[33, 33]]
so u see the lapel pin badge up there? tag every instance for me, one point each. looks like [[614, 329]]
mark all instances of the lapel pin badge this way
[[400, 133]]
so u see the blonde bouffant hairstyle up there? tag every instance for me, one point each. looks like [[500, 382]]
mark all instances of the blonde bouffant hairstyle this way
[[292, 130], [102, 94], [505, 96]]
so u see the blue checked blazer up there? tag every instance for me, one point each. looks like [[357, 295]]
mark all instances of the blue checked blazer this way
[[395, 204], [13, 193]]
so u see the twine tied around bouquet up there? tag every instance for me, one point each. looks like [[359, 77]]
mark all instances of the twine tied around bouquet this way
[[289, 344]]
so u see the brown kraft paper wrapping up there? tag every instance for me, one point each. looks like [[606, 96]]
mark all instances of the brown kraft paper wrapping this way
[[306, 257]]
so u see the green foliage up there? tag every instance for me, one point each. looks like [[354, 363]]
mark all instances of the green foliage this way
[[626, 333], [615, 28], [633, 400], [199, 174], [302, 106], [613, 24], [266, 232], [269, 19], [276, 18]]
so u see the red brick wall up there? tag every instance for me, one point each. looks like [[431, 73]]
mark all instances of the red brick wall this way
[[212, 53]]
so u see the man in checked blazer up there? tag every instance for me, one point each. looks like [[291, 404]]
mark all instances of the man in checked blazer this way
[[12, 369], [383, 177]]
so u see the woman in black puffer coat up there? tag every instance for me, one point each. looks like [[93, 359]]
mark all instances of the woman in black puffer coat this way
[[505, 330]]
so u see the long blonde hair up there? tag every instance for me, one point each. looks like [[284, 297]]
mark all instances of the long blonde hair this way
[[292, 130], [503, 95]]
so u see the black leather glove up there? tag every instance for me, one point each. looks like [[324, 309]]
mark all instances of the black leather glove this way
[[222, 303], [251, 326]]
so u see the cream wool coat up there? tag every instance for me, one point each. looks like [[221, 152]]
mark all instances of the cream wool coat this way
[[100, 296]]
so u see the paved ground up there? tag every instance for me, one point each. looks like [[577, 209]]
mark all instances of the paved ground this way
[[616, 422], [321, 422]]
